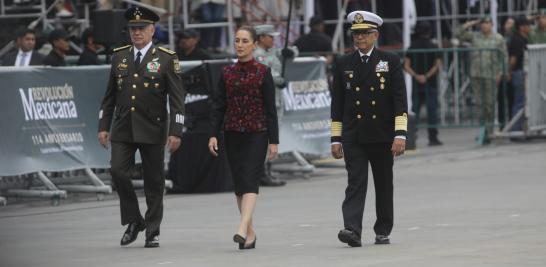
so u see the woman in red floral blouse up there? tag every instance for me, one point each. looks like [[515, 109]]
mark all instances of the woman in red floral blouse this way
[[244, 103]]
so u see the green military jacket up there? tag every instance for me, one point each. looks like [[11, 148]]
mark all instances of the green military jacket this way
[[537, 36], [485, 63], [135, 102]]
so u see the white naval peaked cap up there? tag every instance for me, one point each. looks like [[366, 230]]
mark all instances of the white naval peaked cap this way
[[364, 20]]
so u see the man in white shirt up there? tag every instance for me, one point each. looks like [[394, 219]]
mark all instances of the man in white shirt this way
[[25, 55]]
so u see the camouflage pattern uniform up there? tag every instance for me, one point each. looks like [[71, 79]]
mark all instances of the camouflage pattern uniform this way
[[485, 65]]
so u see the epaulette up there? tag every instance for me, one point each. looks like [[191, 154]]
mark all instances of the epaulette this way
[[121, 48], [170, 52]]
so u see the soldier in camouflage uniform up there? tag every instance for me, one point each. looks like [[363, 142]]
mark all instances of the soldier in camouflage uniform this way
[[538, 33], [487, 66], [265, 53]]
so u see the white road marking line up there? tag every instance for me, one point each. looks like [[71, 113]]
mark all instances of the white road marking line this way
[[297, 245], [165, 262], [514, 215], [413, 228], [307, 225]]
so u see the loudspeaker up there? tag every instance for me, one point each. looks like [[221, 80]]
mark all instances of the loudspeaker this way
[[109, 27]]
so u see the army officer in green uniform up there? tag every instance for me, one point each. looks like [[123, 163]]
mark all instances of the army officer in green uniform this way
[[141, 78], [369, 124]]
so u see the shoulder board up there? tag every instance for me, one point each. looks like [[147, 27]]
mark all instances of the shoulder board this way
[[121, 48], [170, 52]]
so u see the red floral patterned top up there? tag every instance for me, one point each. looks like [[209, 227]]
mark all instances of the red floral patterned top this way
[[245, 101]]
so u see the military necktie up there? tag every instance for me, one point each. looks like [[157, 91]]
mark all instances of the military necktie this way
[[365, 59], [137, 60]]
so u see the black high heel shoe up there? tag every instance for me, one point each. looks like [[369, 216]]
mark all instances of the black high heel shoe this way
[[250, 246], [237, 238]]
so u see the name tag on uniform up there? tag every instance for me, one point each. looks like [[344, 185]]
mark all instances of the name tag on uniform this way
[[382, 66]]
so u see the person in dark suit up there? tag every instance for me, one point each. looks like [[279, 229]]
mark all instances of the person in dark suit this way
[[141, 79], [244, 103], [60, 43], [369, 124], [89, 55], [188, 49], [25, 41]]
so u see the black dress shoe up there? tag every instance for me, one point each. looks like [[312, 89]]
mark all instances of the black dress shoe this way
[[249, 246], [237, 238], [349, 237], [131, 233], [269, 180], [382, 240], [152, 242]]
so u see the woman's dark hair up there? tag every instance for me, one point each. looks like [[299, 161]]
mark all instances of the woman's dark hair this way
[[251, 30]]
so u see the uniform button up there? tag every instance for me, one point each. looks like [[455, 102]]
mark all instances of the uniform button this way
[[373, 103], [133, 97], [357, 89], [357, 103], [132, 108], [134, 86], [135, 75], [371, 88], [373, 117], [359, 116]]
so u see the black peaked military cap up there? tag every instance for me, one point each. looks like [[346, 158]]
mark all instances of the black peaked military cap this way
[[140, 16]]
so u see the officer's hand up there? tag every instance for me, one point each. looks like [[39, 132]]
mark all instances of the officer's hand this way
[[398, 146], [173, 142], [104, 138], [337, 151], [287, 53], [213, 146], [272, 151]]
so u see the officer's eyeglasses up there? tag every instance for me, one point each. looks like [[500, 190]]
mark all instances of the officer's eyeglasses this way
[[362, 33]]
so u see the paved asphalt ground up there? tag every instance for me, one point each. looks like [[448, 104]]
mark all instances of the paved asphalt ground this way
[[456, 205]]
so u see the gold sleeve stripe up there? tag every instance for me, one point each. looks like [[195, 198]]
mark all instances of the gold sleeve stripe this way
[[336, 128], [401, 123]]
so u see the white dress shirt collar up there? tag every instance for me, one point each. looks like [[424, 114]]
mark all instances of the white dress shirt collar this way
[[369, 54], [143, 51]]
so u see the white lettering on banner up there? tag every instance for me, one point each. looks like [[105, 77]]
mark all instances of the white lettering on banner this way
[[306, 95], [46, 103], [191, 98]]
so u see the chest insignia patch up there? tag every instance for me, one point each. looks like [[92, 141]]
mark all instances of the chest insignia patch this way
[[382, 66], [153, 66]]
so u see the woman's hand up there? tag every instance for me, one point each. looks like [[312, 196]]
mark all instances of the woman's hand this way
[[272, 151], [213, 146]]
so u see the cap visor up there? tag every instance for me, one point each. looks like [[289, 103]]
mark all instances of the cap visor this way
[[138, 24]]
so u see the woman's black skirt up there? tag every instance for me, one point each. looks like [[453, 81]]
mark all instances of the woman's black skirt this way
[[246, 154]]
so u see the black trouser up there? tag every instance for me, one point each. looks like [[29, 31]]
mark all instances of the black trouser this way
[[123, 162], [357, 157]]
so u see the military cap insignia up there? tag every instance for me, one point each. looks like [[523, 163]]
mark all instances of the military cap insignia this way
[[358, 18]]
